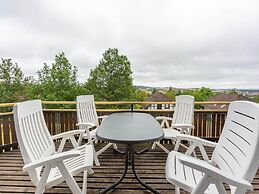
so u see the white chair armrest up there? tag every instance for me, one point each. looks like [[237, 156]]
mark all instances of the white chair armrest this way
[[163, 118], [87, 124], [196, 140], [184, 126], [51, 159], [214, 172], [68, 134], [102, 117], [165, 121]]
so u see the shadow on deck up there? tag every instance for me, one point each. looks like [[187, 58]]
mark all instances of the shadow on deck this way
[[150, 167]]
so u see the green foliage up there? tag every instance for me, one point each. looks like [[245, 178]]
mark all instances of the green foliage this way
[[141, 95], [172, 93], [57, 82], [154, 90], [111, 80], [255, 98], [233, 91], [14, 85], [200, 94]]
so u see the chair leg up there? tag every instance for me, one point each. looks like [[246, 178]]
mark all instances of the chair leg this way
[[85, 182], [104, 148], [202, 186], [114, 146], [153, 145], [177, 190], [61, 145], [41, 185], [191, 149], [90, 141], [90, 171], [177, 144], [96, 161], [162, 147], [221, 188], [80, 139], [69, 178]]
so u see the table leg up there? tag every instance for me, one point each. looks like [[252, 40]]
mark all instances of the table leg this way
[[132, 153], [124, 173]]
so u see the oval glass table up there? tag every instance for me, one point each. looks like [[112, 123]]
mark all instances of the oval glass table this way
[[130, 128]]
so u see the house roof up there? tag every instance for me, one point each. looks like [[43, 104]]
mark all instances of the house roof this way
[[224, 97], [157, 97]]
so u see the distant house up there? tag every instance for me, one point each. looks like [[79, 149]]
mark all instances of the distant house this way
[[224, 97], [158, 97]]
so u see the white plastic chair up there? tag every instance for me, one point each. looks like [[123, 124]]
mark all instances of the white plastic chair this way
[[46, 167], [180, 123], [89, 121], [234, 160]]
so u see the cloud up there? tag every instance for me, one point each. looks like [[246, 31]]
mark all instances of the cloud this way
[[169, 43]]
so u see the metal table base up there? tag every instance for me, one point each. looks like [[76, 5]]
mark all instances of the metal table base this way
[[130, 160]]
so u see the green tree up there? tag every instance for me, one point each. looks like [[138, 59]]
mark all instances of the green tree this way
[[112, 80], [141, 95], [58, 81], [233, 91], [154, 90], [13, 83], [255, 98], [200, 94], [171, 93]]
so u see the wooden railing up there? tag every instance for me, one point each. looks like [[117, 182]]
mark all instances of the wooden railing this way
[[208, 123]]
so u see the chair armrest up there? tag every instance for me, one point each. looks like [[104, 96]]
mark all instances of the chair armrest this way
[[102, 117], [86, 124], [214, 172], [196, 140], [68, 134], [184, 126], [165, 121], [51, 159], [163, 118]]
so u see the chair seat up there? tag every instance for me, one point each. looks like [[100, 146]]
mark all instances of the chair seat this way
[[184, 176], [92, 134], [74, 165], [170, 133]]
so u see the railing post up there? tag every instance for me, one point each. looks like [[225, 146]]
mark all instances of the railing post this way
[[131, 107]]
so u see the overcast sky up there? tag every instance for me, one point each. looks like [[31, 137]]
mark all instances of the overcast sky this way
[[178, 43]]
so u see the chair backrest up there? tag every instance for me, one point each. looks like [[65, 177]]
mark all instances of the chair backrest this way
[[86, 111], [237, 151], [32, 133], [184, 109]]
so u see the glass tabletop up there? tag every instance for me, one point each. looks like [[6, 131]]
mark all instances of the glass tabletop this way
[[130, 128]]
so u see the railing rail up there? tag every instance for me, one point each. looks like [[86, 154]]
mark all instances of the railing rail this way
[[208, 123], [117, 103]]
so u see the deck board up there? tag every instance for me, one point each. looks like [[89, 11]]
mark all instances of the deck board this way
[[150, 167]]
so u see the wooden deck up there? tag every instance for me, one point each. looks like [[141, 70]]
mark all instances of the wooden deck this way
[[150, 167]]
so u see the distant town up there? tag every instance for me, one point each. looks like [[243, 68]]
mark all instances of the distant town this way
[[245, 92]]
